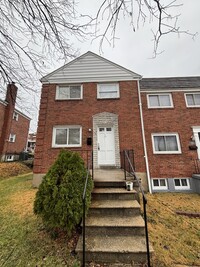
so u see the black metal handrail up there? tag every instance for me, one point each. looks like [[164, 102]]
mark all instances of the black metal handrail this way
[[89, 166], [197, 166], [132, 172]]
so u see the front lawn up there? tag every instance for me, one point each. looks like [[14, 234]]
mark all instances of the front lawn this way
[[175, 238], [23, 240]]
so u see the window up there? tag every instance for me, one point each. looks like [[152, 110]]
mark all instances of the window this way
[[67, 136], [160, 101], [12, 138], [192, 100], [109, 90], [182, 183], [15, 116], [9, 158], [159, 183], [69, 92], [166, 144]]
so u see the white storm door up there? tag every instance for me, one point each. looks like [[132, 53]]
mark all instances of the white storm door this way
[[197, 140], [106, 146]]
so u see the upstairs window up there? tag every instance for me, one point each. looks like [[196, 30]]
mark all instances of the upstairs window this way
[[159, 101], [15, 116], [108, 90], [72, 92], [12, 138], [166, 144], [67, 136], [192, 100]]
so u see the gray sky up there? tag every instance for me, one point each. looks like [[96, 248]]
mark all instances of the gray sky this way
[[134, 50]]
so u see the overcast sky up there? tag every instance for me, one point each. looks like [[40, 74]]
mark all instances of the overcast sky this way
[[134, 50]]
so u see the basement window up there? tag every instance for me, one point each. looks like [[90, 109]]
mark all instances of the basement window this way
[[9, 157], [181, 183], [160, 184]]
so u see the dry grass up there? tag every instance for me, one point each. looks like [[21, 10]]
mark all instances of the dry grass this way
[[23, 238], [175, 238], [8, 169]]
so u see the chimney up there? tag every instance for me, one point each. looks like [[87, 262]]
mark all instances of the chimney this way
[[11, 94]]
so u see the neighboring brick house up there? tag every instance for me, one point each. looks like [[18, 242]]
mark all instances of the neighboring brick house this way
[[93, 97], [31, 142], [14, 127], [172, 129]]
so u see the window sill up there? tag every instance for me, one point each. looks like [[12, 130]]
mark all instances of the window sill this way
[[114, 98]]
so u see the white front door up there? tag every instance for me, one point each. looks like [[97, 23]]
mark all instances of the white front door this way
[[106, 146], [196, 131]]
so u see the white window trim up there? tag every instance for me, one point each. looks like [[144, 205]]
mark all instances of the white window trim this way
[[12, 136], [182, 187], [170, 97], [166, 152], [160, 187], [15, 116], [11, 159], [67, 85], [117, 87], [191, 106], [65, 127]]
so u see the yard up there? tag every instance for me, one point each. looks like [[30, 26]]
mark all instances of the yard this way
[[24, 242]]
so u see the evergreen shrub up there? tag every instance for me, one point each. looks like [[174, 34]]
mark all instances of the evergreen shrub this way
[[59, 197]]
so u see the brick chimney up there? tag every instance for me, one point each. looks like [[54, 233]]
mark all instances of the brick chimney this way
[[11, 94]]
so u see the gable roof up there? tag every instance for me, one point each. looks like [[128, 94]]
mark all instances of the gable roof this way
[[175, 83], [90, 67]]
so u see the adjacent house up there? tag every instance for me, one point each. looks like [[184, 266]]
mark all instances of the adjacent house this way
[[94, 104], [31, 142], [14, 127]]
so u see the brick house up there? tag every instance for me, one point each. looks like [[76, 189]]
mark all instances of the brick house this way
[[92, 97], [14, 127]]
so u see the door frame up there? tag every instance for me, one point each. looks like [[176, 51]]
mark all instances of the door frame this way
[[106, 119], [196, 131], [98, 144]]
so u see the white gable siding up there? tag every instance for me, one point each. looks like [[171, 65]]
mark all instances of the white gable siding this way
[[90, 68]]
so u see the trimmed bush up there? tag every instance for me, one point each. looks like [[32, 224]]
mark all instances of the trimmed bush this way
[[59, 197]]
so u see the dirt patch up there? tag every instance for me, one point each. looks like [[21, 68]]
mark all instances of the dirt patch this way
[[22, 203], [9, 169]]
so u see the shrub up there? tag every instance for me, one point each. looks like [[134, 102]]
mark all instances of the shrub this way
[[59, 197]]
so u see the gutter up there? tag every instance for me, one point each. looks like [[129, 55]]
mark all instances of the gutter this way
[[144, 140]]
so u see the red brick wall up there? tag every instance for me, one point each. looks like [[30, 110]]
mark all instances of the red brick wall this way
[[167, 120], [20, 128], [80, 112]]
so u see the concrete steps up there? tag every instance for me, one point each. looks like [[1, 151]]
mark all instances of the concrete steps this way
[[113, 193], [115, 232], [115, 225], [115, 249]]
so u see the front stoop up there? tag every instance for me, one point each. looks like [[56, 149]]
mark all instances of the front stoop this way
[[115, 233]]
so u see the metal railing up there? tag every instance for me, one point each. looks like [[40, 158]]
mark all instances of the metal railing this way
[[89, 166], [124, 163], [129, 168], [197, 166]]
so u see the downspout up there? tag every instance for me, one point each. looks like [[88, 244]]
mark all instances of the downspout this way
[[144, 140]]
